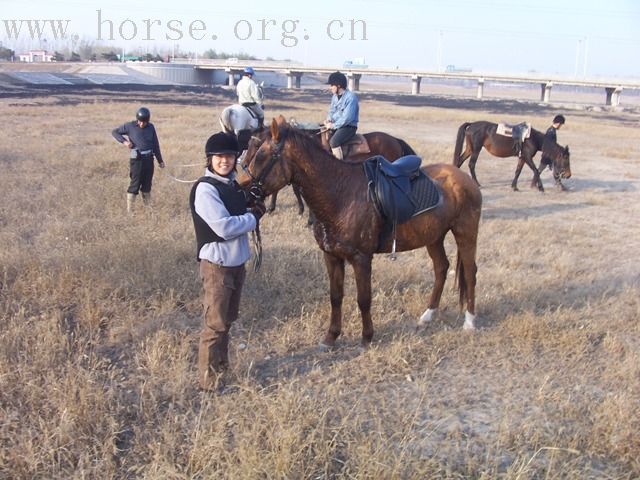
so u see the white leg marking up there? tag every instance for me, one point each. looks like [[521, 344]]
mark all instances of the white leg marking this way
[[428, 315], [469, 321]]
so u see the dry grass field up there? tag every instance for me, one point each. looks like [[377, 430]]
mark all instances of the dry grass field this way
[[100, 312]]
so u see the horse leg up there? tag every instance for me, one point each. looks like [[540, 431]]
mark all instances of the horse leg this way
[[559, 184], [440, 269], [536, 175], [335, 270], [514, 183], [296, 191], [472, 166], [362, 270], [464, 155], [466, 235], [272, 203], [541, 168]]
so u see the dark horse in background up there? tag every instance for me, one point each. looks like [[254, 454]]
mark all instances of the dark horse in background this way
[[480, 134], [348, 227], [380, 143]]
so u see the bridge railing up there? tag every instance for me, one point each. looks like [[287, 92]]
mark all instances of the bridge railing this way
[[613, 86]]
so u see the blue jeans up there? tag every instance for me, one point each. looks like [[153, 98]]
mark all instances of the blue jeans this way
[[342, 135]]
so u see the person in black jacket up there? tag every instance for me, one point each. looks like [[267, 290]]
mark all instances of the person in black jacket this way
[[140, 137], [551, 135]]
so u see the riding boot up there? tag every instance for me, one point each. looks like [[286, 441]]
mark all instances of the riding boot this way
[[146, 198], [131, 198], [337, 152]]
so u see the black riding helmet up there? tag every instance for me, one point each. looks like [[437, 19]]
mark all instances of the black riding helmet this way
[[558, 119], [339, 79], [221, 143], [143, 114]]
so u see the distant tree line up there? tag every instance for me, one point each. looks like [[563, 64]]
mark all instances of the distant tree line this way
[[211, 54], [6, 53], [89, 51]]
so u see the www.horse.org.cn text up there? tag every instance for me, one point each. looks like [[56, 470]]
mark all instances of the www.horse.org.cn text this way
[[288, 32]]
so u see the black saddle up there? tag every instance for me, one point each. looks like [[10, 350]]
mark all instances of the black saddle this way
[[400, 190]]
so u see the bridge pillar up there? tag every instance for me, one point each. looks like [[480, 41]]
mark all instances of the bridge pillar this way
[[290, 78], [230, 72], [480, 91], [613, 96], [545, 92], [415, 84], [354, 81]]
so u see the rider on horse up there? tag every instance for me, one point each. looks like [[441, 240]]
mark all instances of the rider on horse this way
[[250, 95], [343, 113]]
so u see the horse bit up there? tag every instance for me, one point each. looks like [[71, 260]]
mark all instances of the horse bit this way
[[256, 190]]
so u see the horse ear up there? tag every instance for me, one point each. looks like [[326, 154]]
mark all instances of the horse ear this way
[[275, 130], [281, 120], [566, 149]]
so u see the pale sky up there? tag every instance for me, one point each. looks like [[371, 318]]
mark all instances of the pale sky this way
[[567, 37]]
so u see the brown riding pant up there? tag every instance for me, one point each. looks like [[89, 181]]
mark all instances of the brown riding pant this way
[[222, 289]]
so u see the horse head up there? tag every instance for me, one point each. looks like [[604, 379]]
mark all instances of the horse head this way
[[264, 168], [562, 163]]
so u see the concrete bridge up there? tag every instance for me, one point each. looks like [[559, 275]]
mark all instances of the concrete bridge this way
[[612, 87]]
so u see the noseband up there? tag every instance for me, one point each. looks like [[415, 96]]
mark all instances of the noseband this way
[[258, 182]]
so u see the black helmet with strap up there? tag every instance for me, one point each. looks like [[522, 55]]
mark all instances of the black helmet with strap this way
[[559, 119], [221, 143], [143, 114], [339, 79]]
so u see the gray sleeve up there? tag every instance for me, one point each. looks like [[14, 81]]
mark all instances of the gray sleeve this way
[[119, 132]]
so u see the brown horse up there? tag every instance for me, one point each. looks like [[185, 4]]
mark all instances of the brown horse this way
[[349, 228], [380, 143], [483, 134]]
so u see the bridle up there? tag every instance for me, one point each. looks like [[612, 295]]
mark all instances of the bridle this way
[[257, 182], [257, 192]]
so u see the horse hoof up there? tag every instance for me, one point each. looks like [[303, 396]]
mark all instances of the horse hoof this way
[[469, 321], [324, 347], [428, 316], [515, 189]]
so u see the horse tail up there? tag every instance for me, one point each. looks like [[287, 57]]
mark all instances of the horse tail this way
[[459, 142], [405, 147], [459, 279], [225, 120]]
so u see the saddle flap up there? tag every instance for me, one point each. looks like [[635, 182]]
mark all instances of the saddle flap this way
[[399, 196], [406, 166]]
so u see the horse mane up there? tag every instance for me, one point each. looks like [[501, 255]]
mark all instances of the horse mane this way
[[307, 143]]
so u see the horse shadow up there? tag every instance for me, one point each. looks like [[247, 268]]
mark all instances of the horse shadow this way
[[555, 297], [536, 211], [584, 184]]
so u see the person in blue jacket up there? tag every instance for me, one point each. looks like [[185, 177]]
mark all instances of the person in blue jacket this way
[[343, 113]]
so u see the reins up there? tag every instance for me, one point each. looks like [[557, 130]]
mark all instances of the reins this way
[[172, 177]]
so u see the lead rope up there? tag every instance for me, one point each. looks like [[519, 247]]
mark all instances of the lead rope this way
[[166, 165], [257, 247]]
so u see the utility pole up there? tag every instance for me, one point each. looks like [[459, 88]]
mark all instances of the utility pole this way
[[575, 68], [439, 52], [586, 49]]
